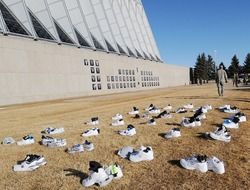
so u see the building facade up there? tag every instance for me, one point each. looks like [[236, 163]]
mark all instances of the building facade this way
[[53, 49]]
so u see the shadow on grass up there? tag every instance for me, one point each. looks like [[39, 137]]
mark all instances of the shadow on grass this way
[[76, 173], [204, 136], [162, 135], [175, 124], [175, 163]]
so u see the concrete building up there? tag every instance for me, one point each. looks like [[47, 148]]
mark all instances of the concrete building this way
[[53, 49]]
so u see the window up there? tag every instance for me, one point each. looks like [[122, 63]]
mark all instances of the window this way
[[124, 85], [121, 86], [133, 72], [98, 70], [113, 86], [62, 34], [119, 72], [120, 78], [96, 43], [121, 50], [126, 72], [98, 78], [117, 85], [91, 62], [128, 85], [129, 72], [109, 86], [99, 86], [133, 78], [127, 78], [108, 78], [116, 78], [131, 85], [86, 63], [112, 78], [97, 63], [94, 86], [93, 78], [134, 85], [92, 69], [142, 78], [81, 39], [124, 78], [123, 72], [110, 47]]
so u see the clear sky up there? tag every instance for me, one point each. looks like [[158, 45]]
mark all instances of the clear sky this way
[[185, 28]]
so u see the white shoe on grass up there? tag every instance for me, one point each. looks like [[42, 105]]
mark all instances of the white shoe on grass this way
[[117, 116], [173, 133], [29, 139], [143, 154], [196, 162], [216, 165], [119, 122], [130, 131], [91, 132]]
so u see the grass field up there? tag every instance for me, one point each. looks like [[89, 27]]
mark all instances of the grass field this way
[[64, 171]]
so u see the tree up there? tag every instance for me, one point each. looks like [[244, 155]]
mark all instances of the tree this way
[[200, 67], [246, 66], [234, 67], [210, 68]]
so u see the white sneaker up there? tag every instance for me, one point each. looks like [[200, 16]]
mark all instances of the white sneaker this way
[[149, 107], [173, 133], [30, 163], [187, 122], [221, 134], [130, 131], [232, 109], [195, 163], [216, 165], [181, 110], [8, 140], [29, 139], [134, 111], [52, 131], [241, 116], [89, 146], [168, 107], [93, 121], [144, 154], [125, 151], [154, 111], [222, 108], [151, 122], [119, 122], [97, 176], [57, 143], [75, 149], [188, 106], [231, 124], [117, 117], [91, 132], [115, 171]]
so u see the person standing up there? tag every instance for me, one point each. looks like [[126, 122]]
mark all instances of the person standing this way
[[221, 79], [235, 79]]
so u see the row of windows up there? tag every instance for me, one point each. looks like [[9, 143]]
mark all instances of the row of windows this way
[[91, 62], [95, 70], [150, 84], [146, 73], [96, 86], [96, 78], [150, 78], [120, 78], [121, 85], [126, 72]]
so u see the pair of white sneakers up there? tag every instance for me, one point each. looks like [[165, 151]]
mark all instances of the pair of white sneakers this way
[[173, 133], [117, 120], [53, 142], [100, 175], [190, 122], [91, 132], [30, 163], [203, 164], [143, 154], [229, 109], [77, 148], [221, 134], [130, 131]]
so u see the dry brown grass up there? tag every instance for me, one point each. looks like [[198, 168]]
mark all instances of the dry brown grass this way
[[161, 173]]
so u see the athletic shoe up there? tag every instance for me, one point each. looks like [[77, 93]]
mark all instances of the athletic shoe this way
[[8, 140], [188, 122], [118, 122], [115, 171], [52, 131], [88, 146], [164, 114], [200, 110], [117, 117], [75, 149], [188, 106], [93, 121], [216, 165], [29, 139], [154, 110], [151, 122], [168, 107], [181, 110], [134, 111], [143, 154], [232, 109], [97, 175], [173, 133], [222, 108], [125, 151], [196, 162], [57, 143], [91, 132], [30, 163], [231, 124], [130, 131], [200, 113], [241, 116], [149, 107], [221, 134]]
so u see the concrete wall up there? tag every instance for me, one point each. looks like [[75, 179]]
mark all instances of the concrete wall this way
[[38, 70]]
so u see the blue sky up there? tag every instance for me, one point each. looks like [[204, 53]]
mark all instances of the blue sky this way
[[185, 28]]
